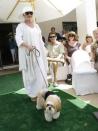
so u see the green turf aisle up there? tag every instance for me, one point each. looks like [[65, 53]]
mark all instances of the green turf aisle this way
[[10, 83], [18, 113]]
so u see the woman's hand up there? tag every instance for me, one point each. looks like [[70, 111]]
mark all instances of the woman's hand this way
[[30, 47]]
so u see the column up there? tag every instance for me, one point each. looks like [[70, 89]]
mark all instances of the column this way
[[86, 19]]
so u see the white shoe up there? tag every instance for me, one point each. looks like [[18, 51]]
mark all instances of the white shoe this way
[[55, 84]]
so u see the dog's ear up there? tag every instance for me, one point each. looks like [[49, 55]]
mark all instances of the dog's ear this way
[[40, 101], [45, 105], [58, 105]]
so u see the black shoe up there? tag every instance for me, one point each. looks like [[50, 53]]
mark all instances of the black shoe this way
[[69, 79], [69, 76]]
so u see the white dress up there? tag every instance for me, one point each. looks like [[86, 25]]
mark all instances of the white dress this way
[[88, 49], [34, 77]]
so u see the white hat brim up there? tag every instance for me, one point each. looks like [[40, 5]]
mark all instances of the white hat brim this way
[[25, 9]]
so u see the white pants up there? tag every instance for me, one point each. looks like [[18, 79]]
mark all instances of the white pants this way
[[13, 54]]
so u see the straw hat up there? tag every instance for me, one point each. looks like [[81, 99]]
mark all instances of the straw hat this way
[[72, 34]]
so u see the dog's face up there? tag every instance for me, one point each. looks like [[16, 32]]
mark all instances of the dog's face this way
[[53, 104], [50, 108]]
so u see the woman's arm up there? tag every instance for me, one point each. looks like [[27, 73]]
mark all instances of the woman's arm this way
[[19, 38], [82, 46], [93, 53], [67, 58]]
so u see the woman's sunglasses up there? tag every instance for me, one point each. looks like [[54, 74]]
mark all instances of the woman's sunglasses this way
[[29, 13], [52, 36]]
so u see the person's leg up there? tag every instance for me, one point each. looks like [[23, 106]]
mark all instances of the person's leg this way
[[0, 61], [27, 85], [13, 54], [69, 75], [55, 68]]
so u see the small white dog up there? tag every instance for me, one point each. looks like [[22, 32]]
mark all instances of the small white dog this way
[[51, 104]]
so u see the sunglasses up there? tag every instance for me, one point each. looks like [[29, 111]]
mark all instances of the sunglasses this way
[[52, 36], [29, 13]]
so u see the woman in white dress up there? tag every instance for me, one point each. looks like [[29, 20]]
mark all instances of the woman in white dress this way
[[32, 63]]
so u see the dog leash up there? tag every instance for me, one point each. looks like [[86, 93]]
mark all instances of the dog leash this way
[[36, 52]]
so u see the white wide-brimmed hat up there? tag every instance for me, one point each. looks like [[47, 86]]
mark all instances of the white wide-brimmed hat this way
[[26, 9]]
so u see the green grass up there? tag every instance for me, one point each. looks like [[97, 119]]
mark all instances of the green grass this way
[[18, 113], [10, 83]]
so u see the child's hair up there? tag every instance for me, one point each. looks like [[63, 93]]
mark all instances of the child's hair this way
[[88, 36]]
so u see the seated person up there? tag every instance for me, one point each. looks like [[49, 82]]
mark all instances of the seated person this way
[[55, 54], [70, 47], [59, 38], [94, 49], [87, 45]]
